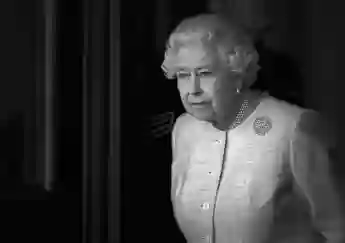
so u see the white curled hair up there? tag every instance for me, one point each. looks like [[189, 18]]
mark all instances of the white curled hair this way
[[220, 36]]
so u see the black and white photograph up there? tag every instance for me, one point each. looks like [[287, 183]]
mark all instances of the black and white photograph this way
[[172, 121]]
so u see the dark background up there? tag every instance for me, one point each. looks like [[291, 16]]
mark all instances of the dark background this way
[[28, 211], [302, 62], [76, 207]]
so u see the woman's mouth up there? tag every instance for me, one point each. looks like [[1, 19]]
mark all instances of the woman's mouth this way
[[200, 104]]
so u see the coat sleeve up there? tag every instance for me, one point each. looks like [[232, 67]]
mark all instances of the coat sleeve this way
[[310, 162], [179, 147]]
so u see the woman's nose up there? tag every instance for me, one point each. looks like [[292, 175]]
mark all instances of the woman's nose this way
[[195, 84]]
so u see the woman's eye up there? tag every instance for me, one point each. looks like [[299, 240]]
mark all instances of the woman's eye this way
[[182, 75], [205, 73]]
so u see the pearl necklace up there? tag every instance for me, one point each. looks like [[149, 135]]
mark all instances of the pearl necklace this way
[[240, 115]]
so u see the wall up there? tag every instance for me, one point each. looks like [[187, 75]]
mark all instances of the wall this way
[[17, 68], [17, 56]]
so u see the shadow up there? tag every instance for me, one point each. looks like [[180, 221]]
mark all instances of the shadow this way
[[12, 151], [28, 211], [280, 75]]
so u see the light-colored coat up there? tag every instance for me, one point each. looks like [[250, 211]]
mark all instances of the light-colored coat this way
[[267, 181]]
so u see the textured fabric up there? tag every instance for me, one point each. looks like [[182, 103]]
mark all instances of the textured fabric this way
[[273, 187]]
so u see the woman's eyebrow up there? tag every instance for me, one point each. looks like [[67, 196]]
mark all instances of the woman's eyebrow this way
[[181, 69], [202, 68], [198, 69]]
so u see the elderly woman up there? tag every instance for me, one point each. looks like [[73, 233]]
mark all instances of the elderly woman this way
[[247, 168]]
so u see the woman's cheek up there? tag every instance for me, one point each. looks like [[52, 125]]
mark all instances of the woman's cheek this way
[[222, 96]]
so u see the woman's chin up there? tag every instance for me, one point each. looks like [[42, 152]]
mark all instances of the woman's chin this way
[[204, 114]]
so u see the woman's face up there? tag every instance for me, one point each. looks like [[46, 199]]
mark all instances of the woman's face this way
[[206, 87]]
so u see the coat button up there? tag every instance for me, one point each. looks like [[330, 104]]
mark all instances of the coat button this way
[[205, 206], [206, 238]]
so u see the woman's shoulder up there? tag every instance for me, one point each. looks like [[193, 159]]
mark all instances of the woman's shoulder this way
[[271, 104]]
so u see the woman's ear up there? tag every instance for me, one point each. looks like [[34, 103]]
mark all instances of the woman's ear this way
[[239, 60]]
